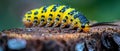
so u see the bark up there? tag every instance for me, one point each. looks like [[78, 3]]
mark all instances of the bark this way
[[100, 38]]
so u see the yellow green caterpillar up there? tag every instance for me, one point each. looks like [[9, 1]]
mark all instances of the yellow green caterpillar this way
[[56, 16]]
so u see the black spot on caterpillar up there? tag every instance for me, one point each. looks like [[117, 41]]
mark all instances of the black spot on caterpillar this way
[[56, 16]]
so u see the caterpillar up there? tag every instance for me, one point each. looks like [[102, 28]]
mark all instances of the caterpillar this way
[[56, 16]]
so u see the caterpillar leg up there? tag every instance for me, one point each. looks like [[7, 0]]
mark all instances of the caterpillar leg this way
[[63, 25], [57, 22], [49, 22], [35, 23], [42, 22], [71, 26], [79, 29]]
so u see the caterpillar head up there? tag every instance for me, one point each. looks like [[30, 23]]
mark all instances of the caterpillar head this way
[[31, 18], [27, 19], [27, 23]]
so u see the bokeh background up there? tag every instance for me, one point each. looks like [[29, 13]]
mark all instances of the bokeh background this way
[[12, 11]]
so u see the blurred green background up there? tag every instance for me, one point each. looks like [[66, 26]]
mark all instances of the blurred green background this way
[[12, 11]]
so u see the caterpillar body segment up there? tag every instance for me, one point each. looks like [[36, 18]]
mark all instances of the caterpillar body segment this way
[[50, 14], [76, 24], [43, 16], [66, 18], [36, 17], [56, 16]]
